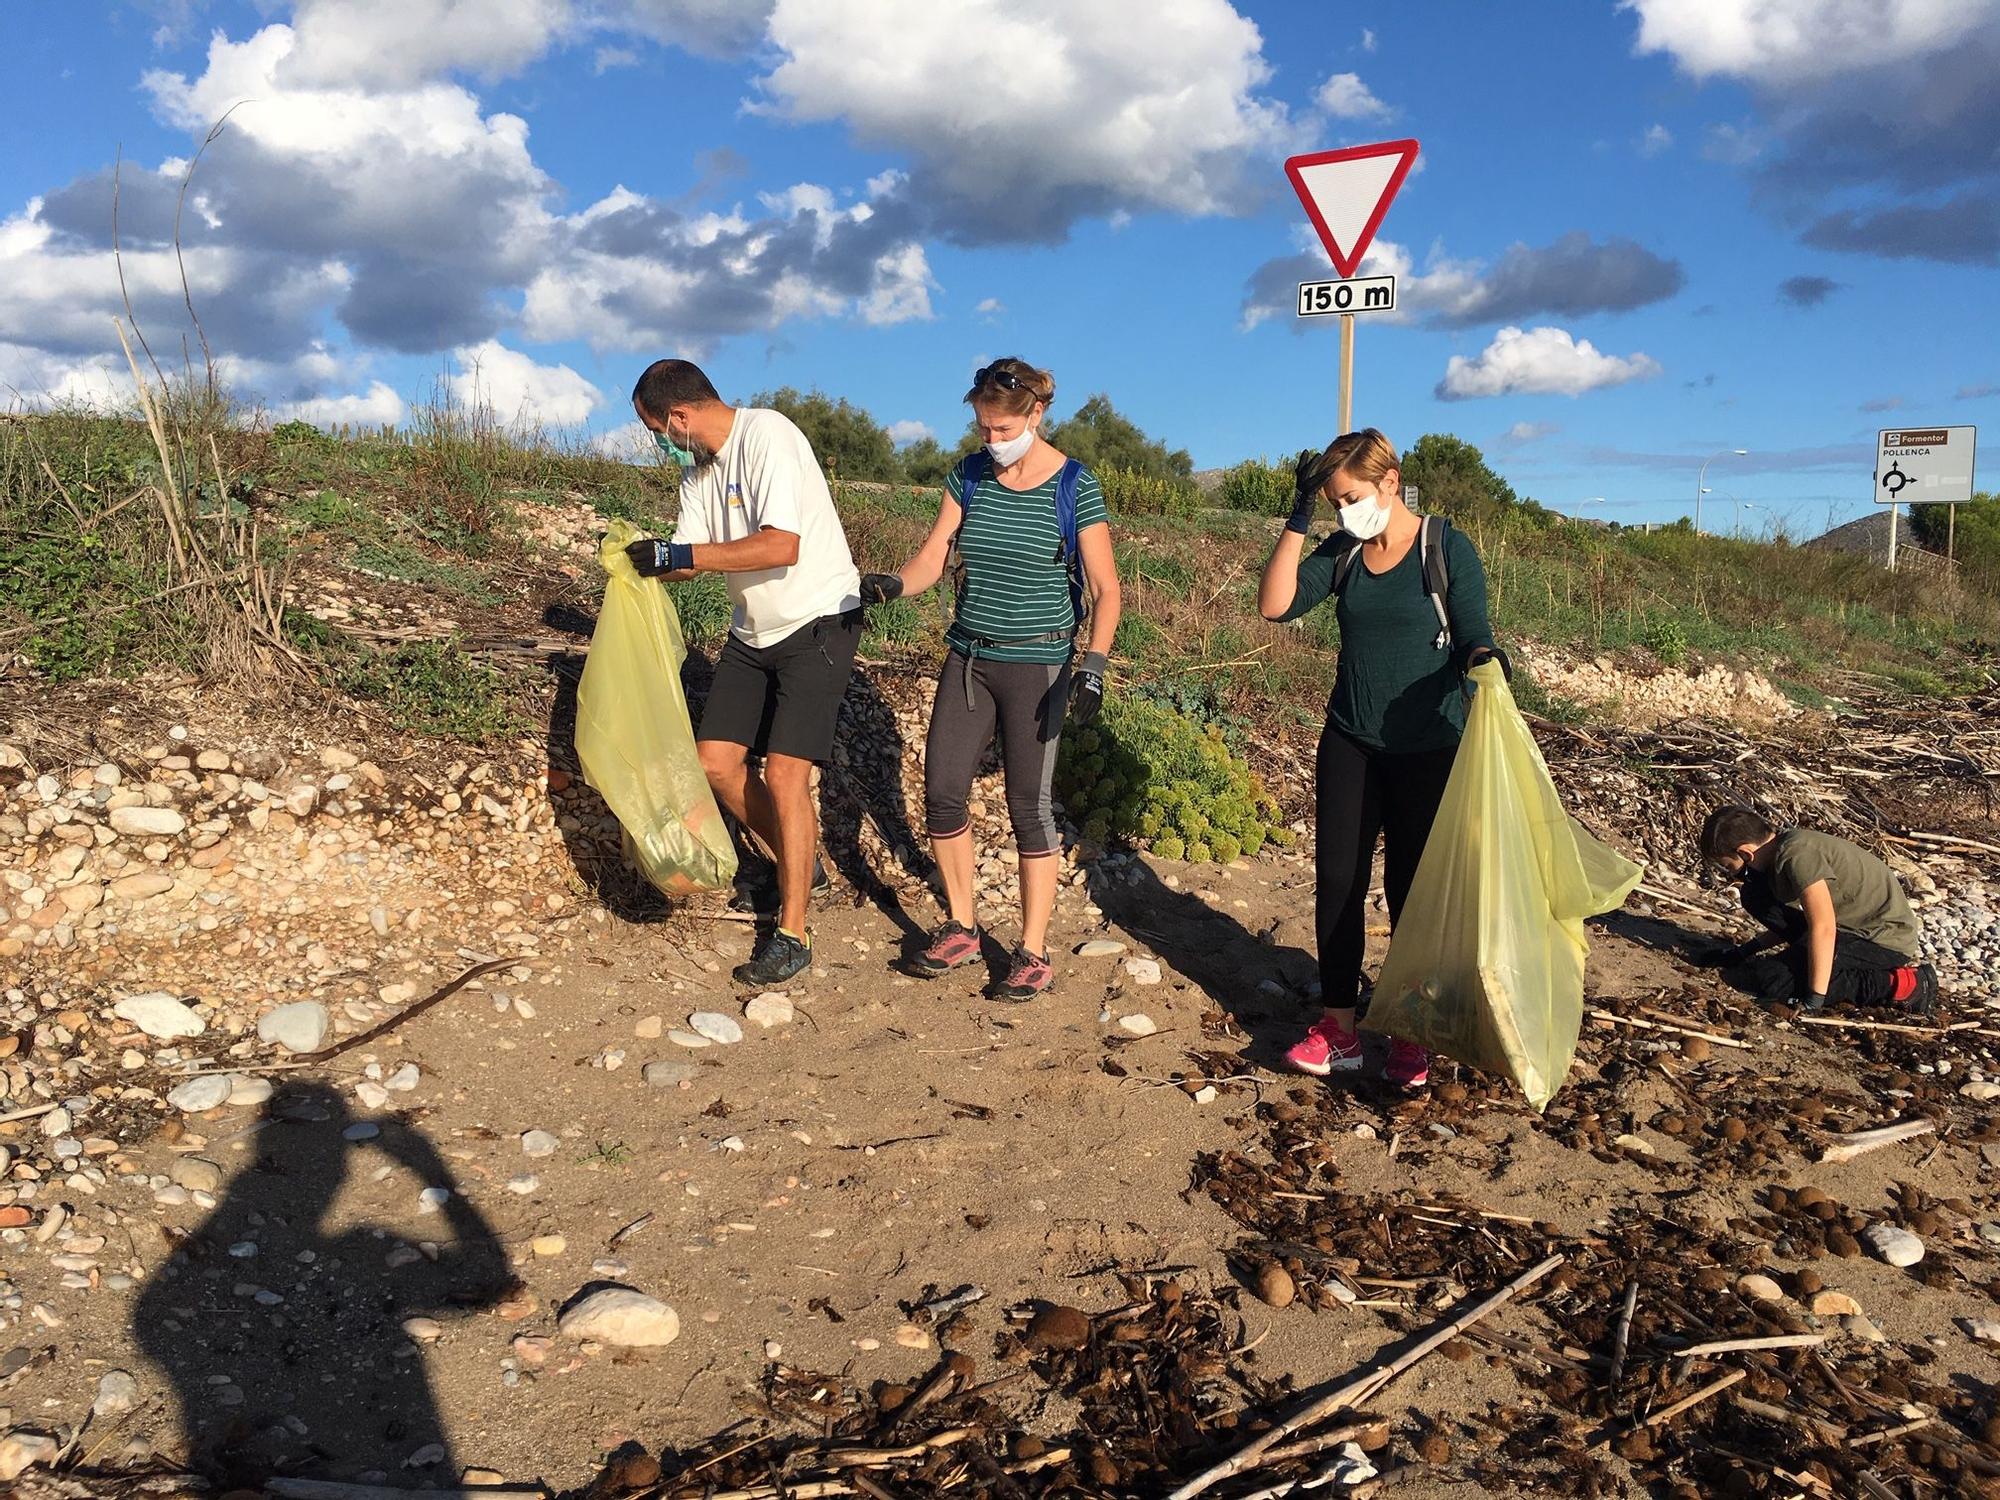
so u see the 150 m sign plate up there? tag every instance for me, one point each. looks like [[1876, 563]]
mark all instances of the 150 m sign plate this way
[[1358, 294]]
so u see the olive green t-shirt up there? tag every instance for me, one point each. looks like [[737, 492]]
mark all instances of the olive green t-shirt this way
[[1395, 690], [1016, 581], [1868, 900]]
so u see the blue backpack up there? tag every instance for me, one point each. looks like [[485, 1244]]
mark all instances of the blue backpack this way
[[974, 467]]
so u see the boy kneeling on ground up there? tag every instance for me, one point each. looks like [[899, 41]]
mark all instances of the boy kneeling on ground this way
[[1848, 930]]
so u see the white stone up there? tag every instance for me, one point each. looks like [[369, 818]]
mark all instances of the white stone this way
[[1760, 1288], [159, 1015], [199, 1094], [718, 1028], [117, 1393], [621, 1317], [1980, 1093], [423, 1330], [667, 1075], [1143, 970], [301, 1026], [539, 1143], [523, 1183], [246, 1090], [56, 1123], [371, 1094], [404, 1078], [1138, 1024], [1100, 948], [144, 822], [1892, 1244], [432, 1199], [197, 1174], [21, 1451], [682, 1038], [769, 1010]]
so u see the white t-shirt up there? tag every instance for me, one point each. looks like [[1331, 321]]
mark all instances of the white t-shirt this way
[[765, 474]]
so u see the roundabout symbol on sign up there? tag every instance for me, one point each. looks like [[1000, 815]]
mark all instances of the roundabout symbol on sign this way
[[1894, 480]]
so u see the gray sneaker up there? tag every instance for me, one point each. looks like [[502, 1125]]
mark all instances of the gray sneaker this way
[[778, 958]]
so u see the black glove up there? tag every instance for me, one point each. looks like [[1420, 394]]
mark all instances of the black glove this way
[[1086, 689], [1481, 653], [652, 557], [880, 588], [1307, 480]]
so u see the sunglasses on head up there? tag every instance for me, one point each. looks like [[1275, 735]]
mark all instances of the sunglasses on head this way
[[1007, 380]]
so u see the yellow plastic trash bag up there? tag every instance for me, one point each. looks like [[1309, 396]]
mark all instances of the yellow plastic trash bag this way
[[634, 736], [1486, 964]]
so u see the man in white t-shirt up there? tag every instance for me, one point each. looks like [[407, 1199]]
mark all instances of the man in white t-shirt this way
[[755, 508]]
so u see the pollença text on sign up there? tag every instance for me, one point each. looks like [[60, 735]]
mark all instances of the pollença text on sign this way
[[1357, 294]]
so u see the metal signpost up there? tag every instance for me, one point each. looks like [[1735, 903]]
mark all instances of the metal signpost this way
[[1346, 194], [1923, 466]]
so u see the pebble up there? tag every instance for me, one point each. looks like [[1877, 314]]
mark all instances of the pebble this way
[[547, 1245], [361, 1130], [143, 822], [1896, 1246], [682, 1038], [1138, 1024], [159, 1015], [769, 1010], [1275, 1285], [539, 1143], [909, 1336], [1832, 1304], [648, 1029], [1143, 970], [249, 1089], [1990, 1232], [404, 1078], [723, 1030], [667, 1075], [1981, 1092], [299, 1027], [1760, 1288], [622, 1317], [117, 1393], [199, 1095], [197, 1174], [22, 1450], [1206, 1094], [432, 1199], [371, 1094], [1100, 948], [423, 1330], [523, 1183], [531, 1349], [1860, 1327]]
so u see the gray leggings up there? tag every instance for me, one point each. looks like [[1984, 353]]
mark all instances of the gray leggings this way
[[1026, 700]]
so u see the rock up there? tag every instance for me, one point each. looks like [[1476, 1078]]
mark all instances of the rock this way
[[198, 1095], [1981, 1092], [197, 1174], [397, 994], [667, 1075], [117, 1393], [1760, 1288], [160, 1016], [1143, 970], [909, 1336], [56, 1123], [1898, 1247], [718, 1028], [139, 887], [1138, 1024], [648, 1029], [404, 1078], [1636, 1143], [531, 1349], [682, 1038], [1056, 1327], [361, 1130], [1859, 1327], [245, 1090], [1275, 1285], [433, 1199], [1990, 1232], [548, 1245], [1206, 1094], [769, 1010], [621, 1317], [1832, 1304], [1986, 1330], [299, 1027], [539, 1143], [423, 1330], [146, 822], [1100, 948], [21, 1450]]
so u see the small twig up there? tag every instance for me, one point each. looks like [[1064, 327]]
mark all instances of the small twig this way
[[412, 1011], [1884, 1434], [1732, 1346], [1620, 1339], [1707, 1036], [1668, 1413], [1898, 1027], [29, 1114], [1848, 1147]]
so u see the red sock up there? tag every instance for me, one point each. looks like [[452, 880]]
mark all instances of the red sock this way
[[1906, 985]]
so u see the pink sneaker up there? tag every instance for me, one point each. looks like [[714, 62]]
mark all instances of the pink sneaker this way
[[1324, 1049], [1408, 1065]]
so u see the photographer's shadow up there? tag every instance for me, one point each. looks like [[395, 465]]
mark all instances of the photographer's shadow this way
[[280, 1328]]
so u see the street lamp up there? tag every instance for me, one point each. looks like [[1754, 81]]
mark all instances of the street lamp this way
[[1702, 479], [1741, 506]]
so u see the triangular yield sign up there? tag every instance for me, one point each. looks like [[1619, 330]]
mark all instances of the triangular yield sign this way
[[1347, 192]]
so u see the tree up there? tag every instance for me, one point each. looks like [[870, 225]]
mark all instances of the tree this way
[[849, 442], [1976, 542], [1453, 479], [927, 461], [1103, 439]]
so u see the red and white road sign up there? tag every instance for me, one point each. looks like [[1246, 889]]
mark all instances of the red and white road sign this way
[[1346, 193]]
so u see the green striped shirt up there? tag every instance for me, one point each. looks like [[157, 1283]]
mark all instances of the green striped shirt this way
[[1016, 584]]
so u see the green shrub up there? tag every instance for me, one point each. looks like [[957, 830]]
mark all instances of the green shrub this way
[[1261, 488], [1667, 640], [1131, 493], [431, 687], [1149, 773]]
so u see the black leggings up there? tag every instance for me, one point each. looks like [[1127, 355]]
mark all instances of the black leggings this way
[[1360, 794], [1864, 972], [1027, 700]]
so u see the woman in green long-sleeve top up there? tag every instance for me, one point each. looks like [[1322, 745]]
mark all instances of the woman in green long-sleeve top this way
[[1411, 599]]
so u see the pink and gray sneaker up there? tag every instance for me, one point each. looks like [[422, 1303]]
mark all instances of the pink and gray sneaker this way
[[951, 945], [1409, 1065], [1028, 975], [1324, 1049]]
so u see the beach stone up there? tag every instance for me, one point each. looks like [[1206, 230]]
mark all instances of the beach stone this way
[[1138, 1024], [197, 1174], [1100, 948], [648, 1028], [681, 1038], [246, 1090], [667, 1075], [723, 1030], [1896, 1246], [21, 1450], [539, 1143], [1760, 1288], [1832, 1304], [200, 1094], [298, 1027], [548, 1245], [423, 1330], [1860, 1327], [160, 1016], [769, 1010], [622, 1317], [1981, 1092], [117, 1393], [144, 822], [361, 1130], [1143, 970]]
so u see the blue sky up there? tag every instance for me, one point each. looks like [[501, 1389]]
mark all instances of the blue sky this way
[[1639, 233]]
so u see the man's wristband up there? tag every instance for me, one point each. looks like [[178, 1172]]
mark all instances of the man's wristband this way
[[680, 557]]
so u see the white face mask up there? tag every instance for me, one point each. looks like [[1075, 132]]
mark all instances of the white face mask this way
[[1013, 450], [1364, 519]]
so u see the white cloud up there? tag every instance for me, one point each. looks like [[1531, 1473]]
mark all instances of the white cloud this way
[[607, 58], [990, 308], [1539, 361], [1121, 104], [1790, 41], [903, 433], [518, 392], [401, 42], [1656, 139], [1528, 432], [1367, 40], [708, 28], [1732, 145], [1345, 97], [628, 443], [378, 406], [902, 287]]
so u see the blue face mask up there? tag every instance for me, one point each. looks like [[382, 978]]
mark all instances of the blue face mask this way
[[682, 456]]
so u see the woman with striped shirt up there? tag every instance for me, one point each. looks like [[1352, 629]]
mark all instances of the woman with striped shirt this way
[[1008, 665]]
